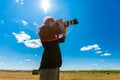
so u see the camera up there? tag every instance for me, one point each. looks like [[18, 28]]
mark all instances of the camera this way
[[70, 22], [35, 72]]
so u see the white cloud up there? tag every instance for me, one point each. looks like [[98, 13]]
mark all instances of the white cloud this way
[[24, 22], [106, 54], [21, 37], [35, 43], [19, 2], [35, 23], [22, 2], [96, 48], [90, 47], [27, 60], [98, 52]]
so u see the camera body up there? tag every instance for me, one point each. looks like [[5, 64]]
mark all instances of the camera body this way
[[70, 22], [35, 72]]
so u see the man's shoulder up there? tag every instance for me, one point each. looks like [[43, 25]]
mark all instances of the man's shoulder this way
[[41, 27]]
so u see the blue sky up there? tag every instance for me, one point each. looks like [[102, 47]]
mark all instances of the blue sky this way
[[94, 43]]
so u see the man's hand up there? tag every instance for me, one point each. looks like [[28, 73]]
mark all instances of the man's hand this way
[[59, 21]]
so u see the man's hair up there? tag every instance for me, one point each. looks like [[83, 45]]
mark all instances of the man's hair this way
[[47, 19]]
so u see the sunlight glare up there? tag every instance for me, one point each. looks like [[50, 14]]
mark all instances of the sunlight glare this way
[[45, 5]]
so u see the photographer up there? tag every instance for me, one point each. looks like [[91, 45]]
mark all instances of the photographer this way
[[51, 59]]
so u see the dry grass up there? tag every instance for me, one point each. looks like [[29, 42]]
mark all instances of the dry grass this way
[[18, 76], [89, 76], [73, 75]]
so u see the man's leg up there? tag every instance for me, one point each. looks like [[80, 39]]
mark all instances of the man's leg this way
[[49, 74]]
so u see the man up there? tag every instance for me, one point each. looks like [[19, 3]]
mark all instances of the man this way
[[51, 58]]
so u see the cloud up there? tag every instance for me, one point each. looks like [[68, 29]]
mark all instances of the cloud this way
[[35, 43], [106, 54], [27, 60], [19, 2], [24, 22], [90, 47], [22, 37], [96, 48], [35, 23], [98, 52]]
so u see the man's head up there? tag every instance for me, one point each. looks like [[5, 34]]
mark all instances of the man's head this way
[[48, 21]]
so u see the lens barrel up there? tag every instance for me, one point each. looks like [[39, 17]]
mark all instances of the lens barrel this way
[[71, 22]]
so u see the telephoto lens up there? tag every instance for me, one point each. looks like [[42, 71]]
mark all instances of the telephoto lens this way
[[71, 22]]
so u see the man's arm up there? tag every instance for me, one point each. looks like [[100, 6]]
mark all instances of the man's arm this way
[[63, 28], [60, 29]]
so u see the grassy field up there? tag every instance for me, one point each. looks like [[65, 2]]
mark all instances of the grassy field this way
[[64, 75]]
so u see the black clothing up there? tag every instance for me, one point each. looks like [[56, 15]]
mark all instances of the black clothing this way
[[51, 57]]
